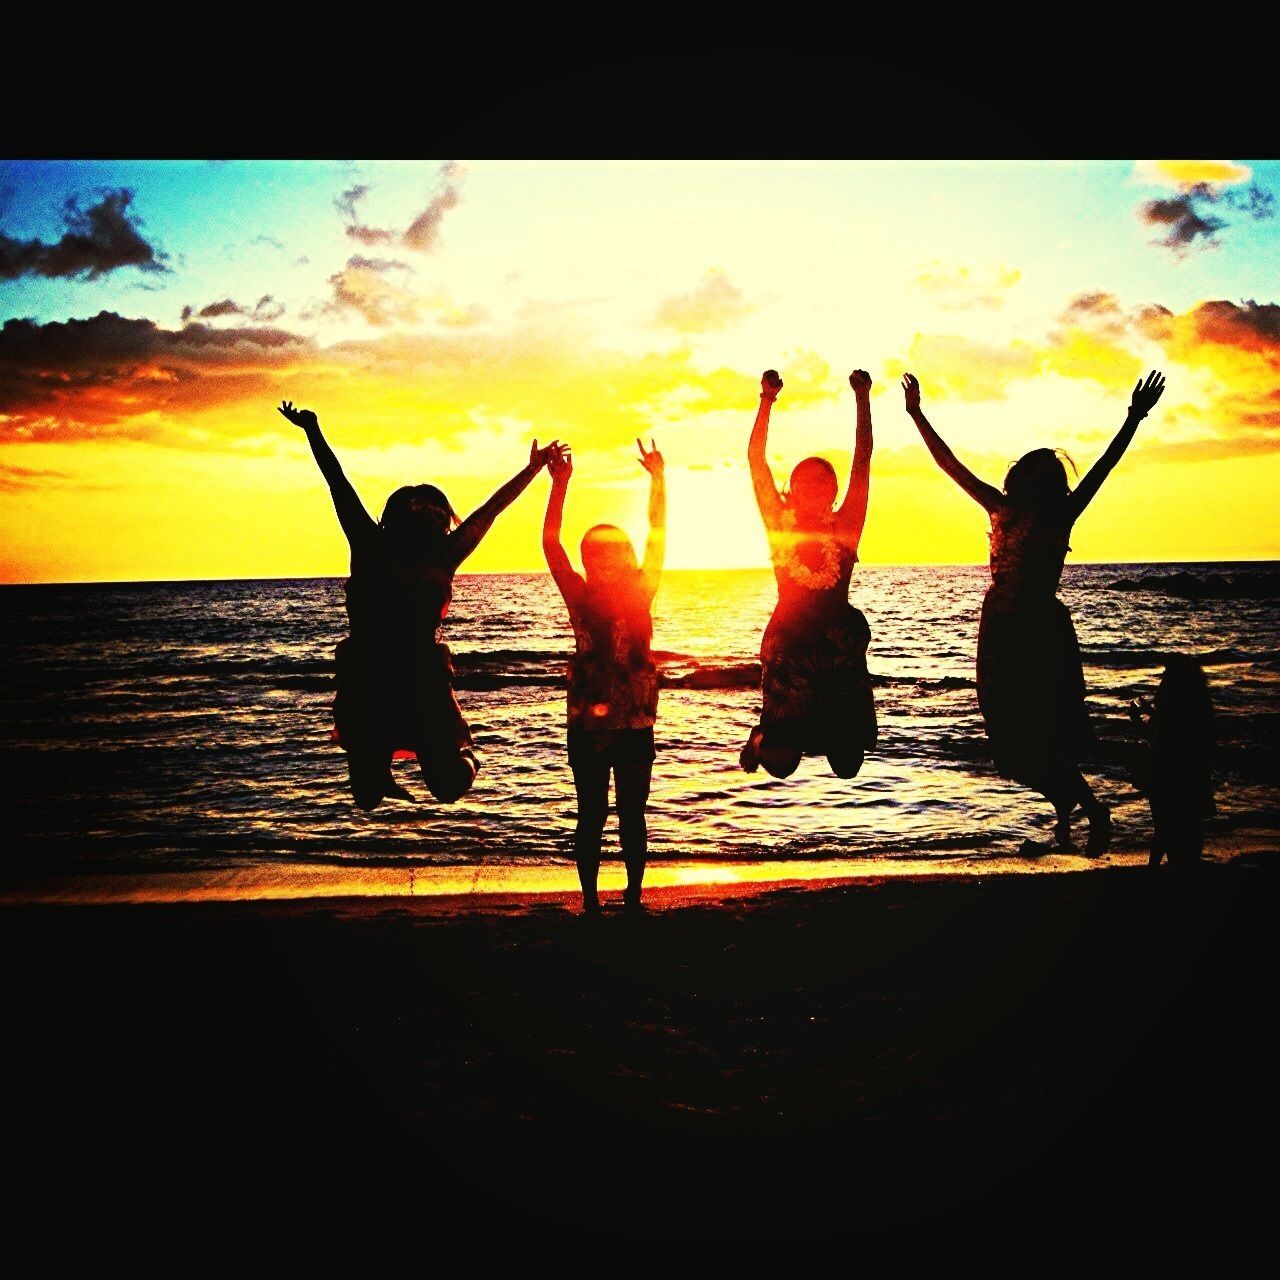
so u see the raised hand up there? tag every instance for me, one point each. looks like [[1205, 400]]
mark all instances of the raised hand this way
[[911, 390], [1145, 394], [303, 418], [652, 461], [560, 464], [770, 384], [538, 458], [860, 381]]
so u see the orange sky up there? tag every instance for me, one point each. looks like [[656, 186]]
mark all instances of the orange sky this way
[[133, 447]]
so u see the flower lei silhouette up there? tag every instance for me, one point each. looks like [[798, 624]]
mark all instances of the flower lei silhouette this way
[[788, 559]]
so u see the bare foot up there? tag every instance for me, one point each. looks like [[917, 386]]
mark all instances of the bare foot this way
[[1099, 840], [750, 757]]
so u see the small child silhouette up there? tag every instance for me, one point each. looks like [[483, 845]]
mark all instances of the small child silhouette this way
[[1176, 772]]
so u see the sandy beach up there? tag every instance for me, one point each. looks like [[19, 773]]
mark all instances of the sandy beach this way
[[1031, 1072]]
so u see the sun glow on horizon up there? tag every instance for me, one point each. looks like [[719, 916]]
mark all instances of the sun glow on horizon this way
[[436, 336]]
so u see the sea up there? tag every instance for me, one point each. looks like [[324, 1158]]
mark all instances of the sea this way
[[186, 726]]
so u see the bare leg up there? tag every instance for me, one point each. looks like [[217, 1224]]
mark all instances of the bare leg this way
[[631, 792], [448, 772], [845, 762], [370, 775], [591, 781], [1067, 789]]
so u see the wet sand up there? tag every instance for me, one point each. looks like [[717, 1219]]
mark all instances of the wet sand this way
[[1029, 1072]]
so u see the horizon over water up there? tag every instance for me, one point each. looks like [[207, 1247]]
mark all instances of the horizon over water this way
[[165, 727]]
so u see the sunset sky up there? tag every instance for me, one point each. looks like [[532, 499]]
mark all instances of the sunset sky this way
[[438, 315]]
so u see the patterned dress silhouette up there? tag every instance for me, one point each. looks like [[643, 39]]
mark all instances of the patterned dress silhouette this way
[[813, 657], [612, 677], [1030, 674]]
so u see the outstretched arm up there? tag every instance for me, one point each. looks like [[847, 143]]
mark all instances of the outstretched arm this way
[[852, 513], [655, 549], [466, 537], [1145, 395], [560, 465], [767, 497], [987, 494], [355, 520]]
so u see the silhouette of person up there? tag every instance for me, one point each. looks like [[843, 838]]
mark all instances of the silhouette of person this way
[[394, 672], [1177, 774], [613, 680], [1030, 675], [816, 691]]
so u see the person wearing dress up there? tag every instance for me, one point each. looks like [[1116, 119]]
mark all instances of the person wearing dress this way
[[816, 691], [395, 694], [1030, 675], [612, 677]]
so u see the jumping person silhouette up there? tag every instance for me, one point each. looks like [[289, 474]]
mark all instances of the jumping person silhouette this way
[[395, 696], [613, 681], [1030, 675], [816, 691]]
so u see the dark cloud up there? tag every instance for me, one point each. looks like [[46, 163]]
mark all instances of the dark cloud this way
[[1093, 304], [1097, 311], [264, 311], [347, 204], [1257, 203], [62, 376], [1186, 225], [97, 240], [423, 232], [1251, 326], [1189, 222]]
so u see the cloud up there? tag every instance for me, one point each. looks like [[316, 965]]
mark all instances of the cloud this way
[[1250, 327], [69, 379], [265, 310], [97, 240], [1190, 173], [362, 286], [14, 478], [962, 369], [1098, 311], [1186, 225], [347, 204], [424, 230], [422, 233], [960, 289], [713, 304], [1189, 222]]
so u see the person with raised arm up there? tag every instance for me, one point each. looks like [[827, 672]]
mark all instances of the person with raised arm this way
[[1030, 675], [395, 694], [612, 678], [817, 697]]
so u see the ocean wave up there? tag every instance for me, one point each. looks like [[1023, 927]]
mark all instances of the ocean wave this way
[[1211, 586], [1158, 657]]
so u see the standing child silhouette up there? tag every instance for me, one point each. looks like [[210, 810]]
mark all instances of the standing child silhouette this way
[[613, 680], [1177, 776]]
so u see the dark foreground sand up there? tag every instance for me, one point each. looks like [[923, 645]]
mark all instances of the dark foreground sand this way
[[1033, 1073]]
